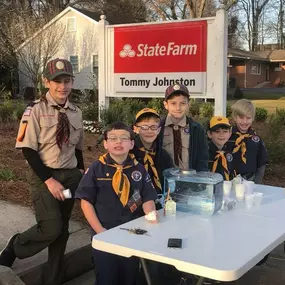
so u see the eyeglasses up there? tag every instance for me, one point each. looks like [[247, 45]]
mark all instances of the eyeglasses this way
[[121, 138], [152, 127]]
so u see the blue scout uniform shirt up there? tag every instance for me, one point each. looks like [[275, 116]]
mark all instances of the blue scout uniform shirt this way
[[251, 150], [221, 161], [96, 188]]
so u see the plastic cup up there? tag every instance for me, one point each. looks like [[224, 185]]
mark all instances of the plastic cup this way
[[227, 187], [249, 201], [249, 187], [240, 192], [258, 196]]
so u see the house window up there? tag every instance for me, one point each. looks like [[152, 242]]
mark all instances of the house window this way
[[74, 62], [71, 24], [256, 69]]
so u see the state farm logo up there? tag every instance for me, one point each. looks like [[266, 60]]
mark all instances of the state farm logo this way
[[127, 51], [159, 50]]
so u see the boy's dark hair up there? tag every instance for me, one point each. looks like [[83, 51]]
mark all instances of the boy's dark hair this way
[[118, 126]]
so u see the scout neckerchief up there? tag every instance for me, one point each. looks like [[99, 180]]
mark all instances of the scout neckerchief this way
[[120, 181], [62, 129], [149, 155], [220, 155], [240, 143]]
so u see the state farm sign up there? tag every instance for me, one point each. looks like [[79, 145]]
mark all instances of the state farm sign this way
[[154, 56]]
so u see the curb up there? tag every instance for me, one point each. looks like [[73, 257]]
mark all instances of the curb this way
[[76, 263]]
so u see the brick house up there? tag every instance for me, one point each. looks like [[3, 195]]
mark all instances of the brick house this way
[[248, 69]]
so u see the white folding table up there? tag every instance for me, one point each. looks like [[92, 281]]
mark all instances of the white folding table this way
[[221, 247]]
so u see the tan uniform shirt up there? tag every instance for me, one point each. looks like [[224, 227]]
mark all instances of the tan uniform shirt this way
[[168, 142], [39, 123]]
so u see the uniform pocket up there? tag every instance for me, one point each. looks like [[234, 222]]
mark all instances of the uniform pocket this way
[[48, 130], [75, 131]]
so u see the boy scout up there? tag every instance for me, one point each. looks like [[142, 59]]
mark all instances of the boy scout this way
[[252, 154], [220, 156], [51, 138], [184, 139], [146, 150], [114, 190]]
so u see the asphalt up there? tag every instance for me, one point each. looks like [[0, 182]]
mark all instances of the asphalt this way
[[78, 265]]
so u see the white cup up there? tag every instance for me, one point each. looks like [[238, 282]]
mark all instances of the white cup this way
[[67, 194], [227, 187], [249, 201], [258, 196], [249, 187], [240, 192]]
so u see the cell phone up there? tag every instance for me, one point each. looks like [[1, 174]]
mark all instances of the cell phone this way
[[174, 243]]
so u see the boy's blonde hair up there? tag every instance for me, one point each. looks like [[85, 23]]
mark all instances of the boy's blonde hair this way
[[243, 107]]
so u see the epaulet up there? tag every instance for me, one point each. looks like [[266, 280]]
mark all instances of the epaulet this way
[[73, 107], [33, 103]]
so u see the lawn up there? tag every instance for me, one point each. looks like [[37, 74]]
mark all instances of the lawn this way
[[270, 105]]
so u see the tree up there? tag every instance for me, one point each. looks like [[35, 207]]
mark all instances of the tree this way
[[253, 10]]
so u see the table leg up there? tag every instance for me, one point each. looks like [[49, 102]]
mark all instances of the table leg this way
[[145, 270]]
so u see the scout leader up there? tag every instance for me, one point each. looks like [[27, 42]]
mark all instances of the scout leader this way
[[51, 139]]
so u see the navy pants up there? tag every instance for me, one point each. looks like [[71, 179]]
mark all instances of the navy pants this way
[[115, 270]]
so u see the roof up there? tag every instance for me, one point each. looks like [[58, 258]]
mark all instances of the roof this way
[[93, 15], [266, 55], [87, 14], [243, 54]]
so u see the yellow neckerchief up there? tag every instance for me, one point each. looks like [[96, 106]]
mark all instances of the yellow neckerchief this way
[[221, 155], [120, 181], [149, 161], [241, 145]]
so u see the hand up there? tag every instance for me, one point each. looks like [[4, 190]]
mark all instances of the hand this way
[[152, 217], [82, 171], [55, 188], [101, 230]]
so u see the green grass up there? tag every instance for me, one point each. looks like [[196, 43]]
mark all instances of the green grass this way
[[7, 174]]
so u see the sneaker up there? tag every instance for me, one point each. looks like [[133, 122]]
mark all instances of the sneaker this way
[[7, 255]]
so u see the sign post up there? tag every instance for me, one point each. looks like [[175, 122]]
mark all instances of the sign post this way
[[142, 60]]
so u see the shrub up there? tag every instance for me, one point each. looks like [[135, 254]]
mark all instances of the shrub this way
[[90, 111], [280, 115], [157, 104], [194, 107], [238, 94], [6, 112], [261, 114], [19, 109], [207, 110], [276, 150], [229, 110], [7, 174]]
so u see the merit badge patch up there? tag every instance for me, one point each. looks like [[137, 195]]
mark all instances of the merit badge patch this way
[[256, 138], [136, 176], [27, 112], [229, 157], [147, 178]]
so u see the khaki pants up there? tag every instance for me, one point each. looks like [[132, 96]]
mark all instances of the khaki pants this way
[[52, 218]]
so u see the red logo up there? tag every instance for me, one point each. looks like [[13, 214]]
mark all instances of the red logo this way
[[173, 47]]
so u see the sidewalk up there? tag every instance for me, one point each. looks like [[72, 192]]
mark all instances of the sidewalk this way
[[16, 218]]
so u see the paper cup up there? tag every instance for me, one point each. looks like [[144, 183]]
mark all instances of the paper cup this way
[[249, 201], [258, 196], [240, 192], [227, 187], [249, 187]]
